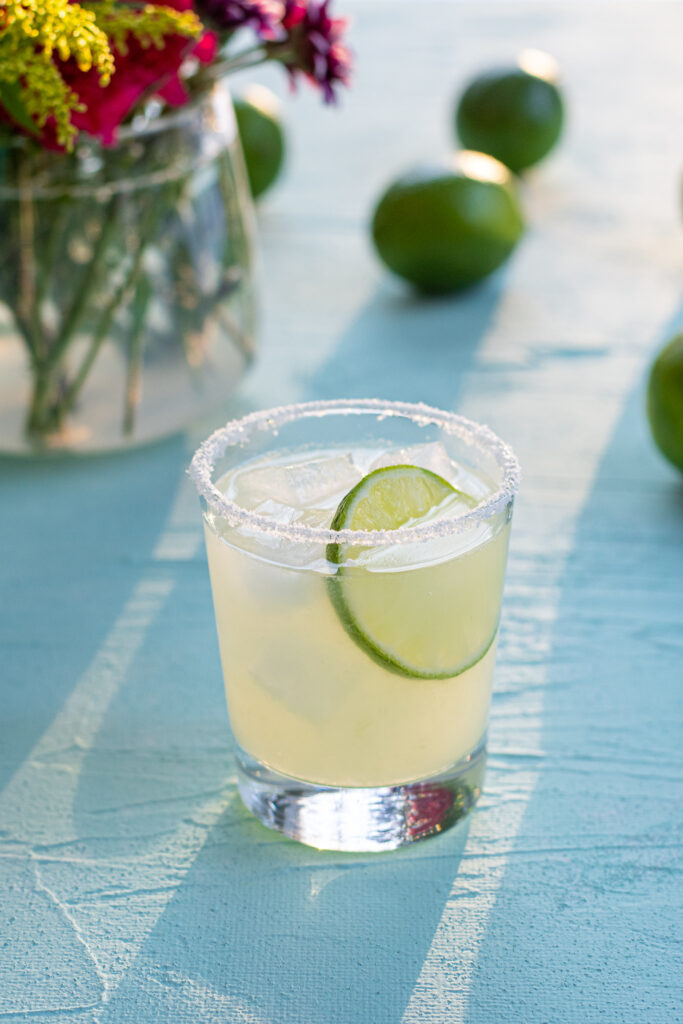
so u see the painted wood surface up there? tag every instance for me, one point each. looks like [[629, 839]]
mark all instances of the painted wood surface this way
[[134, 889]]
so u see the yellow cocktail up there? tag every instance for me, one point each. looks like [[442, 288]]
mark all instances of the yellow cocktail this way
[[357, 587]]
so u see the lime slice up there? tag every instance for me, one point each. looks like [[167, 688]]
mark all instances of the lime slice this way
[[401, 617], [390, 497]]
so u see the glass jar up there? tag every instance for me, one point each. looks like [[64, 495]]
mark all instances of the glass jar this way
[[126, 282]]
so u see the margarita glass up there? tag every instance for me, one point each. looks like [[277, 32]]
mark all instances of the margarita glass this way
[[357, 553]]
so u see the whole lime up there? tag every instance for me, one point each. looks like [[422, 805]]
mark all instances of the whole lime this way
[[445, 228], [665, 401], [515, 114], [257, 111]]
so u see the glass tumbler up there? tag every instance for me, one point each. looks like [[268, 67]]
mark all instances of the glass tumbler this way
[[357, 553]]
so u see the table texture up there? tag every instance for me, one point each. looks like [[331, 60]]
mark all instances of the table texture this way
[[134, 888]]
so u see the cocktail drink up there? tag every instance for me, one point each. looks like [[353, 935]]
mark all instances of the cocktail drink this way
[[357, 554]]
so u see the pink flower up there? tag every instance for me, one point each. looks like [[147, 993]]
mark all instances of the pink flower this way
[[310, 43], [139, 72]]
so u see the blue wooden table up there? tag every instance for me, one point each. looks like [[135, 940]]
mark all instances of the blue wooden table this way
[[133, 886]]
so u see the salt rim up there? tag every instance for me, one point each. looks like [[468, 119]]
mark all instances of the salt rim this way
[[236, 431]]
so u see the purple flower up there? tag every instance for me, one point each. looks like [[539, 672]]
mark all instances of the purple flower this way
[[310, 42], [260, 15]]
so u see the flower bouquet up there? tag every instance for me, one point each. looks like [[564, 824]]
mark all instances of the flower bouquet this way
[[124, 208]]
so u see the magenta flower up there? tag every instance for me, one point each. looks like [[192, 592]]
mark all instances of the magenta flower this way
[[140, 71], [260, 15], [310, 43]]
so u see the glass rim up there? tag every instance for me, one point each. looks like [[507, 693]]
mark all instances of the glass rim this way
[[239, 430]]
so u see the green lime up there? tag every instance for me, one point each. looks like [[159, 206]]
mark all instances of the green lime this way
[[514, 114], [257, 112], [402, 619], [665, 401], [446, 228]]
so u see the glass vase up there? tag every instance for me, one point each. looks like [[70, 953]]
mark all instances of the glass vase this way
[[126, 282]]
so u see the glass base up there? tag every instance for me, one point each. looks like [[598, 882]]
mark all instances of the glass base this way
[[360, 819]]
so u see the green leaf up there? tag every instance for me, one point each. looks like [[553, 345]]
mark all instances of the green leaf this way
[[12, 101]]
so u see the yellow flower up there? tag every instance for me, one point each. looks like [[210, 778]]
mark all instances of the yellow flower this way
[[35, 35]]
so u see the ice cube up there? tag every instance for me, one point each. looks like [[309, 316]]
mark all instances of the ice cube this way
[[318, 518], [299, 554], [431, 456], [307, 483], [282, 514]]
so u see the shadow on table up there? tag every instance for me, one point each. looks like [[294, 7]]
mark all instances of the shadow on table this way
[[264, 931], [585, 919], [70, 529], [403, 347]]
